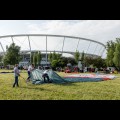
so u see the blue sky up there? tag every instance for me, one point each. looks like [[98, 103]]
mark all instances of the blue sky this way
[[99, 30]]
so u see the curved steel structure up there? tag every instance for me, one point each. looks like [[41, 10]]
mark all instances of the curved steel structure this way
[[49, 35], [52, 36]]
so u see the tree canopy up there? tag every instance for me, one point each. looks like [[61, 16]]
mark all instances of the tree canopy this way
[[113, 53], [77, 56], [12, 55]]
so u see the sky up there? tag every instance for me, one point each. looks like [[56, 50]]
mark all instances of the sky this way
[[98, 30]]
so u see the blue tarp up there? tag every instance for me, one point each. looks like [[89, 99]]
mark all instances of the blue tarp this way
[[36, 78]]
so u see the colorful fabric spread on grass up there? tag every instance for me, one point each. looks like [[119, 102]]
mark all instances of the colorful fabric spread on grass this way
[[89, 77], [36, 77]]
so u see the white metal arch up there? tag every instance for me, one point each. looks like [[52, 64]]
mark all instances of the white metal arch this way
[[49, 35]]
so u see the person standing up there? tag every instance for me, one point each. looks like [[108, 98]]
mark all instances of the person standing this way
[[30, 68], [16, 74]]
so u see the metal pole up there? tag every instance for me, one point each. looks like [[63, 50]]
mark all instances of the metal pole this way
[[30, 48], [102, 52], [46, 50], [63, 45], [88, 47], [95, 49], [2, 48], [12, 39], [78, 44]]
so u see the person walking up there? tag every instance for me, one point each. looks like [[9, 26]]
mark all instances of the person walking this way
[[16, 74]]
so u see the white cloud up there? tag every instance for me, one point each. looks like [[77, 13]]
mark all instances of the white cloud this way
[[99, 30]]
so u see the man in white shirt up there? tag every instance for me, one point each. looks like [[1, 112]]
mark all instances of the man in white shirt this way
[[30, 68]]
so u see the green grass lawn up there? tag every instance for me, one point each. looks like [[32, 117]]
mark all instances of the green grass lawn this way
[[104, 90]]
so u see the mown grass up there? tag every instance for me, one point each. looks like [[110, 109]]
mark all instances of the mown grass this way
[[104, 90]]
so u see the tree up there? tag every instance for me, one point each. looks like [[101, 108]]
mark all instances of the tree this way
[[82, 56], [32, 58], [89, 60], [54, 63], [116, 58], [77, 55], [12, 55], [118, 40], [35, 59], [110, 56], [54, 56], [96, 62], [58, 56], [1, 57], [50, 57], [83, 60], [64, 61], [110, 52], [71, 60], [99, 62], [39, 57], [1, 60]]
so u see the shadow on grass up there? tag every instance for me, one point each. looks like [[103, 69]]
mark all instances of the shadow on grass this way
[[37, 89], [41, 89], [34, 88], [66, 84]]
